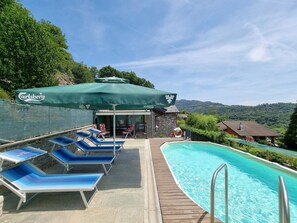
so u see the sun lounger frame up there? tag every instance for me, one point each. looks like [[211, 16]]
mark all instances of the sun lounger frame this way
[[22, 193], [68, 164]]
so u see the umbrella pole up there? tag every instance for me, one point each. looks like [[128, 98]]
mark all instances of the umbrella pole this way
[[114, 129]]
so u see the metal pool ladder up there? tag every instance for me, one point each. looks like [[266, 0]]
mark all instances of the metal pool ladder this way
[[283, 202], [284, 209], [212, 200]]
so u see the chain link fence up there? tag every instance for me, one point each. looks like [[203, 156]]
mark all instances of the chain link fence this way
[[25, 121]]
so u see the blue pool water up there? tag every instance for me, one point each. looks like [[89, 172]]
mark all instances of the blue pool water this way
[[253, 183]]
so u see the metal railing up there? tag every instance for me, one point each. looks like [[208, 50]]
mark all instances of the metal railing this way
[[283, 202], [212, 197]]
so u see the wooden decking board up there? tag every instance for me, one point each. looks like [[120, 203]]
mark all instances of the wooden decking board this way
[[173, 195], [169, 197], [168, 191], [190, 221], [164, 190], [175, 203], [182, 212], [174, 200], [175, 206], [181, 217]]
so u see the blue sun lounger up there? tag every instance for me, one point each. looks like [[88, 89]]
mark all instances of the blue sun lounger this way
[[83, 134], [67, 159], [99, 142], [20, 155], [25, 178], [86, 148], [94, 131]]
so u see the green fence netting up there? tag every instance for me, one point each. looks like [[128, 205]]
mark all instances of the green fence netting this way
[[25, 121]]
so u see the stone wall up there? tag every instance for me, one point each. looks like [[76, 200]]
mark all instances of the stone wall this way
[[167, 123]]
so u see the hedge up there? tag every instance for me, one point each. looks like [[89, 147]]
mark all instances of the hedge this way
[[221, 138]]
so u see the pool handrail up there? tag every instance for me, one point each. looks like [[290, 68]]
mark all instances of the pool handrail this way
[[212, 199], [283, 201]]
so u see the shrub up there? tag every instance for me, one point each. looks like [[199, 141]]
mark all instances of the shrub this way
[[203, 135], [3, 94], [288, 161], [202, 122]]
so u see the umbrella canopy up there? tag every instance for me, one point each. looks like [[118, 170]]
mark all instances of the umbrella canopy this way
[[109, 93], [103, 95]]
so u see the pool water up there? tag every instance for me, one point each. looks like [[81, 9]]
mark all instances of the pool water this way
[[253, 183]]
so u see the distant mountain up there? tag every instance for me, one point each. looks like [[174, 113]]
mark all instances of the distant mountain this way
[[275, 115]]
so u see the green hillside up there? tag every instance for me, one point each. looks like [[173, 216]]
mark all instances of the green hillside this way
[[275, 115]]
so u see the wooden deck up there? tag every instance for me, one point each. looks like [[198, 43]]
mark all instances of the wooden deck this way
[[175, 205]]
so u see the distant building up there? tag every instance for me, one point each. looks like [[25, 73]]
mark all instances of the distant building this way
[[248, 130]]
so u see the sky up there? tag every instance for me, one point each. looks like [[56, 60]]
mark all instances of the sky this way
[[226, 51]]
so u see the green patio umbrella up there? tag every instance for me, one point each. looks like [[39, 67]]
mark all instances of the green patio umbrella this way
[[110, 93]]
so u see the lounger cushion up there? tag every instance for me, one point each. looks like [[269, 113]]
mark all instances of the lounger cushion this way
[[28, 178], [70, 158], [95, 131], [99, 141], [83, 134], [62, 141], [87, 148], [22, 154]]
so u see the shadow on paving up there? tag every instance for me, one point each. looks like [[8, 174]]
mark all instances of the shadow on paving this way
[[126, 173], [46, 202]]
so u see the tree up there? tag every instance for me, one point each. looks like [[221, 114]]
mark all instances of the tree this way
[[56, 34], [3, 94], [290, 138], [28, 55], [66, 62], [81, 73], [94, 72], [4, 3], [109, 71], [58, 39], [203, 122]]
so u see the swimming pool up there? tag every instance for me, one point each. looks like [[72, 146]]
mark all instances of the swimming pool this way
[[253, 183]]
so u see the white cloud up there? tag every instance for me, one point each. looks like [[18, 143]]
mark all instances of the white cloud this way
[[259, 54]]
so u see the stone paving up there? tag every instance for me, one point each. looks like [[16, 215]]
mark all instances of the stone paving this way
[[126, 195]]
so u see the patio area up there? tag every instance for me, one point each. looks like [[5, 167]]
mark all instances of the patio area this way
[[125, 195], [128, 194]]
